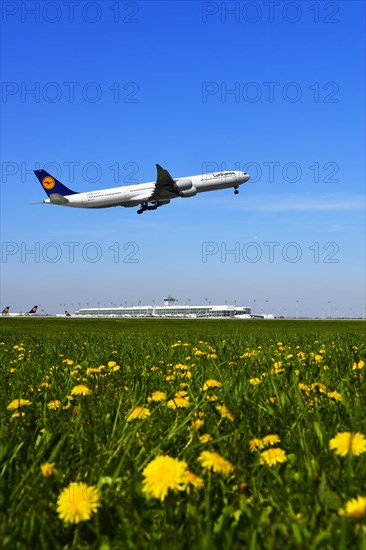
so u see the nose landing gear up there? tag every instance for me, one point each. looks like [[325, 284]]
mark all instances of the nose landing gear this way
[[236, 190]]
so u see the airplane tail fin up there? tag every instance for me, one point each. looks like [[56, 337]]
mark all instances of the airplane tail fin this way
[[51, 185], [33, 310], [5, 310], [67, 313]]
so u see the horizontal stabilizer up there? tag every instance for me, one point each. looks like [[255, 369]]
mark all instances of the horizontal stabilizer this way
[[56, 198]]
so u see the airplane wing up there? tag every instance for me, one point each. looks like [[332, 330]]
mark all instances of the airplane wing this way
[[165, 186]]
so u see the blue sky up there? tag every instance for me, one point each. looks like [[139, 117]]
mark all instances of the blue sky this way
[[98, 92]]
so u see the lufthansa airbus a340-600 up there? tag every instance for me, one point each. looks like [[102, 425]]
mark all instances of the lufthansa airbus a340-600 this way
[[147, 196]]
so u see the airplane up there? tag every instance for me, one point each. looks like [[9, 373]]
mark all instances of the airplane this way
[[5, 311], [32, 311], [147, 196]]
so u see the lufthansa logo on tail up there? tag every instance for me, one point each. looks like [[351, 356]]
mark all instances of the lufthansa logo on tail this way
[[48, 182]]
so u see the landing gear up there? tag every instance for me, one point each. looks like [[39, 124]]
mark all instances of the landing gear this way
[[236, 190], [145, 206]]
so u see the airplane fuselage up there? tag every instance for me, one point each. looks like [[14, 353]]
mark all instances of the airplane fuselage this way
[[134, 195]]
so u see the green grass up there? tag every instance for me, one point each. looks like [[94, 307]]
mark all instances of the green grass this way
[[290, 505], [172, 327]]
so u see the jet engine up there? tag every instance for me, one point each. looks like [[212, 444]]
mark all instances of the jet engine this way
[[189, 192], [183, 185]]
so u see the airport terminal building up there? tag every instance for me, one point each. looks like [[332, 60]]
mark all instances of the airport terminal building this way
[[169, 309]]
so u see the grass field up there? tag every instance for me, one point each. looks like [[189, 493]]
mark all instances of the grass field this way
[[182, 434]]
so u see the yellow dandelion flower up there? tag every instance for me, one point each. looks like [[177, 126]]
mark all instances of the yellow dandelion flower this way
[[277, 364], [17, 403], [180, 366], [359, 365], [273, 456], [77, 502], [17, 414], [355, 508], [47, 469], [111, 364], [138, 413], [255, 444], [215, 462], [197, 423], [178, 402], [92, 370], [157, 396], [272, 399], [346, 442], [162, 474], [225, 413], [54, 404], [211, 356], [322, 388], [212, 398], [270, 440], [334, 395], [80, 389], [181, 393], [211, 383], [192, 479], [255, 381], [205, 438]]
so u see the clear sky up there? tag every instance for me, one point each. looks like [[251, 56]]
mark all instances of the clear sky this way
[[97, 93]]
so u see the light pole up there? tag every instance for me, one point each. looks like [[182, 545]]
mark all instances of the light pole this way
[[329, 308], [297, 309]]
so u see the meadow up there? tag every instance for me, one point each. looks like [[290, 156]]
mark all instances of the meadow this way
[[182, 434]]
